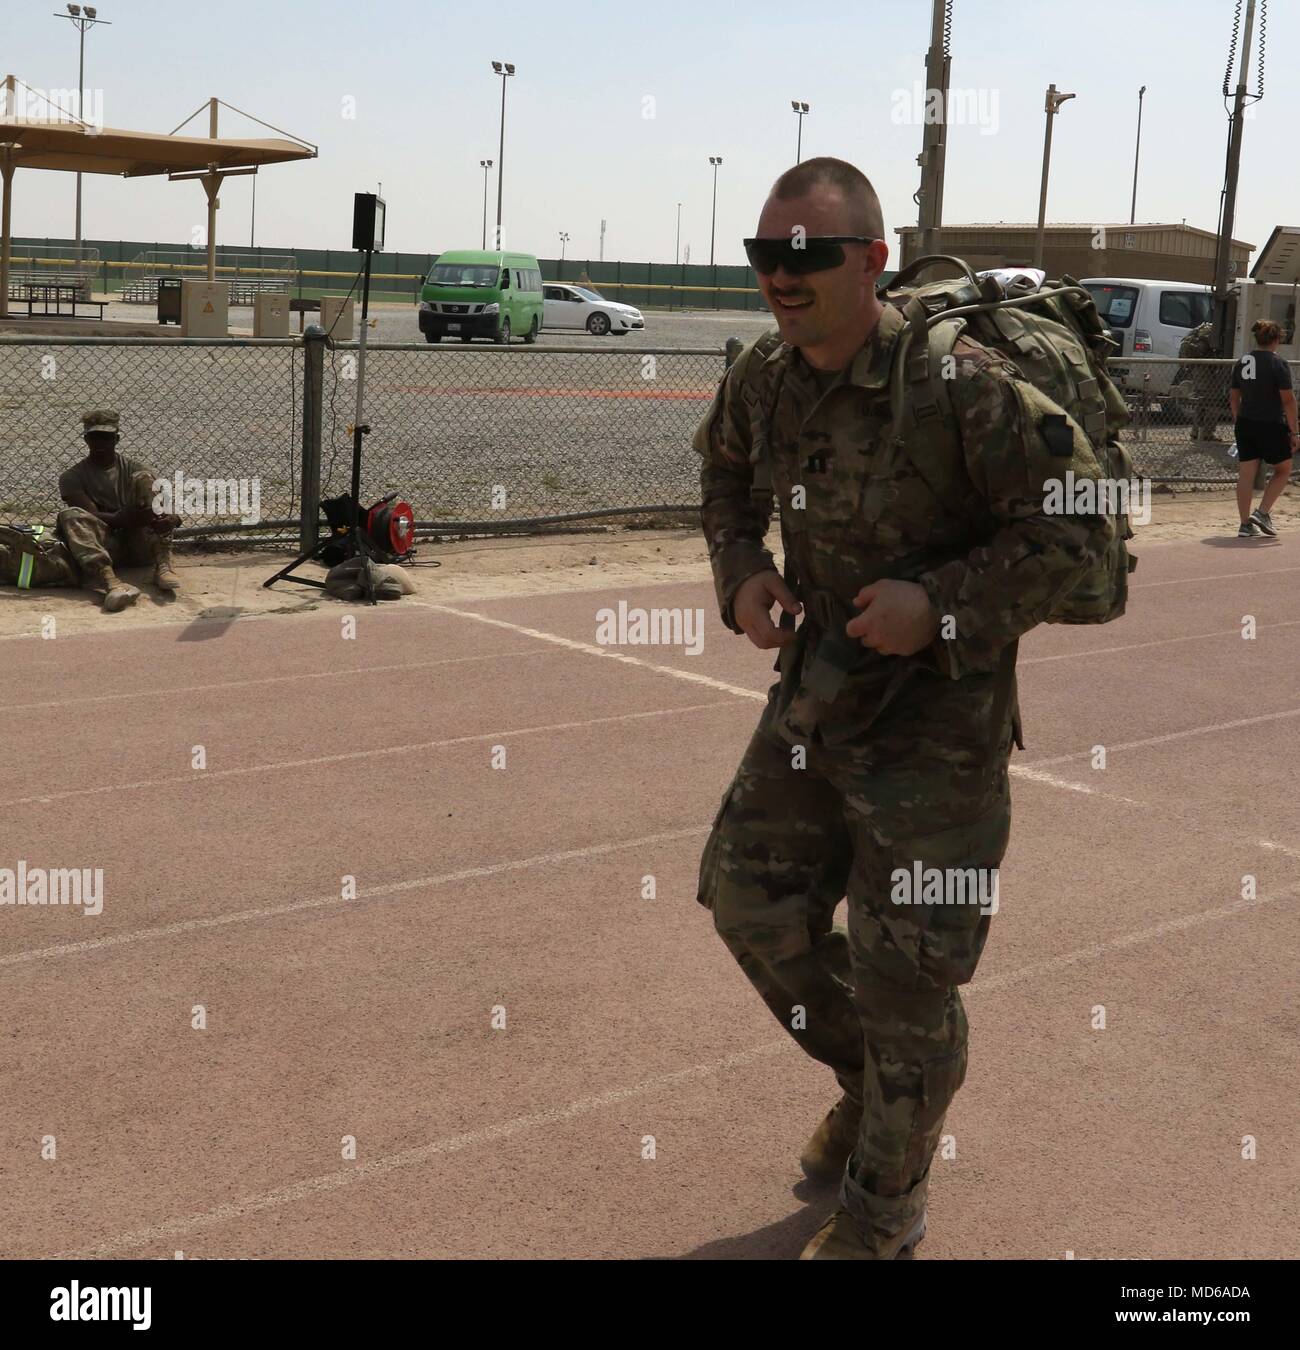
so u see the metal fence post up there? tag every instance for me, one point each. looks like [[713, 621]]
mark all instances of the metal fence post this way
[[313, 398]]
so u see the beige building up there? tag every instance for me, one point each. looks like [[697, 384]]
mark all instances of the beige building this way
[[1161, 252]]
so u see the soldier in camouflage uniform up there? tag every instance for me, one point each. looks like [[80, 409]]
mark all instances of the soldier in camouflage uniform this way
[[1207, 381], [110, 520], [886, 740], [33, 556]]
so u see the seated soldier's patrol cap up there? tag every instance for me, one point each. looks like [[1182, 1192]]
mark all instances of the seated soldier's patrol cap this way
[[100, 419]]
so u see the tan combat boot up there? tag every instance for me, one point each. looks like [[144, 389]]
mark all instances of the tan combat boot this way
[[163, 576], [840, 1239], [826, 1153], [117, 594]]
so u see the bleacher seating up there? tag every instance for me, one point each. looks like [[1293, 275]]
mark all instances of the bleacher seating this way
[[21, 282], [144, 290]]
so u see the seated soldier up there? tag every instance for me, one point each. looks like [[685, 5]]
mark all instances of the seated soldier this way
[[111, 520]]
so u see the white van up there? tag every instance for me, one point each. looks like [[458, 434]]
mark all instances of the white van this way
[[1150, 318]]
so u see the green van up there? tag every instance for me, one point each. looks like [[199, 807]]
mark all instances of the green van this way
[[469, 294]]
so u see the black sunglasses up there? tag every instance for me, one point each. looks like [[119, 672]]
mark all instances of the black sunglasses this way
[[814, 253]]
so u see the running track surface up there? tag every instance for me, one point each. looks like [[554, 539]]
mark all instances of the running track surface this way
[[521, 888]]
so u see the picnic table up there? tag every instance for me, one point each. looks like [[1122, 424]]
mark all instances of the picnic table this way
[[58, 293]]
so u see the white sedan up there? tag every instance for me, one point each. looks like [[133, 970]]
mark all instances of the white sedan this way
[[581, 307]]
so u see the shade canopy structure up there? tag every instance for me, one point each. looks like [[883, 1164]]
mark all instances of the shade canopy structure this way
[[135, 154], [75, 146], [1279, 259]]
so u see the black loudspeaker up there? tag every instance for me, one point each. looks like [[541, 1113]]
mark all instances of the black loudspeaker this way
[[368, 222]]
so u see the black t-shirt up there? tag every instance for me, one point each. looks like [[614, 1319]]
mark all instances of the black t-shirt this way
[[1260, 400]]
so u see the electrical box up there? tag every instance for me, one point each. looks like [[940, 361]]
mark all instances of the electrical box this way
[[205, 309], [270, 315], [1266, 300], [336, 317]]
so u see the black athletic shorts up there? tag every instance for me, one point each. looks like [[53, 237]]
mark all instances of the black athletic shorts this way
[[1269, 441]]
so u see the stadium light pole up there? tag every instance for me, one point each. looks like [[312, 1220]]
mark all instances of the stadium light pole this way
[[505, 70], [801, 111], [564, 239], [83, 18], [715, 160], [485, 165]]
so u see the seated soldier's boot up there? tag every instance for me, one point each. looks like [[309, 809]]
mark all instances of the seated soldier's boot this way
[[826, 1153], [163, 576], [117, 594], [840, 1239]]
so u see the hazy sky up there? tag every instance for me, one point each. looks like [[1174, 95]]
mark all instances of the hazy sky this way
[[616, 108]]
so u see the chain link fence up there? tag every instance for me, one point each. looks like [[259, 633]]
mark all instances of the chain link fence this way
[[475, 439], [226, 411], [1182, 430]]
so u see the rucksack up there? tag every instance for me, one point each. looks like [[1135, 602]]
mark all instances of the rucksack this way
[[1053, 336], [34, 555]]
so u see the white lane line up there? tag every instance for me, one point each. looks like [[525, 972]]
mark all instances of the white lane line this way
[[1035, 771], [1207, 730], [590, 648], [378, 1167], [1278, 848], [325, 901], [1218, 576], [1096, 949], [677, 673], [199, 776], [1158, 642], [308, 609], [412, 1157], [268, 679], [1035, 775]]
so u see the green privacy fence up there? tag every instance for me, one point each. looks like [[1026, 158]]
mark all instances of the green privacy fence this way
[[397, 276]]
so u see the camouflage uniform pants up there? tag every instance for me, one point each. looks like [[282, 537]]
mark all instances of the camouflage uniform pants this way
[[93, 545], [1207, 385], [877, 1003]]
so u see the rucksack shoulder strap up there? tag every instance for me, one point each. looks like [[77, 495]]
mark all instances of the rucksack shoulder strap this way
[[921, 399], [759, 382]]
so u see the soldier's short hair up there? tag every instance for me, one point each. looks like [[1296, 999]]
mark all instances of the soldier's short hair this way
[[853, 185]]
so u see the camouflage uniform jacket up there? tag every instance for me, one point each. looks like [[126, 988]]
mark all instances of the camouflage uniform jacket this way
[[973, 531]]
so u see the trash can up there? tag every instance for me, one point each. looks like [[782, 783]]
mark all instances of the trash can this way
[[169, 300]]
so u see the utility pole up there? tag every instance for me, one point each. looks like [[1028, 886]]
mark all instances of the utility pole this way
[[677, 248], [83, 18], [505, 70], [602, 241], [1223, 251], [934, 130], [485, 165], [1137, 149], [715, 160], [1054, 101]]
